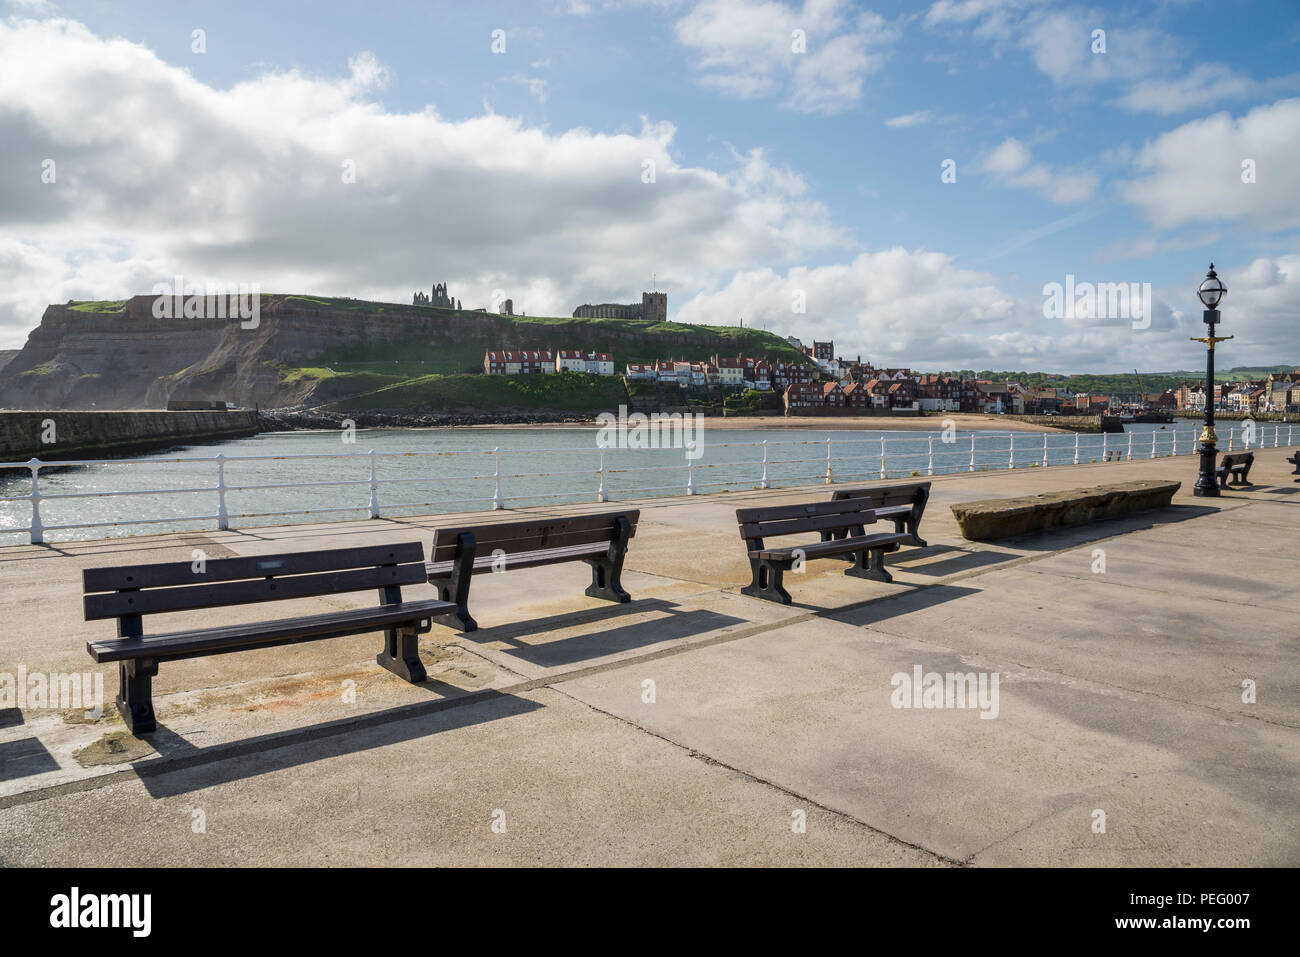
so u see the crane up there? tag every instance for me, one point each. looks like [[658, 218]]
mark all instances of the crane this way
[[1142, 395]]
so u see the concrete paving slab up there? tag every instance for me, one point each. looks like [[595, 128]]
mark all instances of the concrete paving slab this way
[[1121, 692]]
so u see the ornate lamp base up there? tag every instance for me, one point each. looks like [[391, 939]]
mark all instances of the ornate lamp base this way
[[1207, 483]]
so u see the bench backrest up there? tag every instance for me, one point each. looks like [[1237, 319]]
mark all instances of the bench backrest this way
[[779, 520], [886, 495], [1233, 459], [133, 590], [531, 535]]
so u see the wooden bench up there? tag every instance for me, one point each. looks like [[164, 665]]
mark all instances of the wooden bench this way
[[903, 504], [1295, 460], [850, 515], [1237, 465], [461, 552], [129, 592]]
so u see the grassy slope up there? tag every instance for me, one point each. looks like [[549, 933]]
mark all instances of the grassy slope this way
[[573, 391]]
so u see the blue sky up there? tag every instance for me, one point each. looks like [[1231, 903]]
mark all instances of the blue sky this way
[[778, 172]]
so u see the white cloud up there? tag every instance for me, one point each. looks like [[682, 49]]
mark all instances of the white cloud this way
[[1194, 173], [1207, 84], [158, 174], [1010, 163], [910, 119], [747, 49]]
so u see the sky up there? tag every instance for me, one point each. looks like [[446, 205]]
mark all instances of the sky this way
[[908, 180]]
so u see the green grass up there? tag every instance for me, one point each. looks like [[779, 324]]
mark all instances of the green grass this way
[[100, 306], [571, 391]]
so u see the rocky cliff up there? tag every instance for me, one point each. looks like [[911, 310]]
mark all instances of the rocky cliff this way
[[119, 356]]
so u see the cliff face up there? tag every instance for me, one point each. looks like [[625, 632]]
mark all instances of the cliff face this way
[[119, 356]]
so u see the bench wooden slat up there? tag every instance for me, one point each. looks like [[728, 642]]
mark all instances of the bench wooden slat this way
[[154, 601], [836, 546], [746, 516], [517, 560], [174, 646], [253, 566], [532, 535]]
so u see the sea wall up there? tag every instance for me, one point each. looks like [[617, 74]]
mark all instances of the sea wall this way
[[51, 436], [1074, 423]]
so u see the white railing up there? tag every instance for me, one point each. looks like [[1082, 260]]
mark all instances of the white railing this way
[[875, 460]]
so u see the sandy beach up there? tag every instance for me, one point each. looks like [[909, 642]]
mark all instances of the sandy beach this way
[[965, 422]]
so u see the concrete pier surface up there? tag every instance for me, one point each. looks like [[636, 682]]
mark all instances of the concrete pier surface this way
[[1147, 707]]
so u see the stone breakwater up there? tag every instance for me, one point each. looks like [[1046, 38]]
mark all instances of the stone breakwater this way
[[54, 436]]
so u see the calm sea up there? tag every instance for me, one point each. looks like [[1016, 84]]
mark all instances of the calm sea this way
[[537, 465]]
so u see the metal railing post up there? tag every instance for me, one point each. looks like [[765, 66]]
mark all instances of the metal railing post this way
[[1076, 448], [883, 474], [1044, 449], [1232, 436], [972, 454], [1276, 430], [374, 487], [1153, 443], [929, 468], [497, 501], [600, 492], [764, 483], [828, 460], [690, 476], [37, 534], [1011, 461], [1130, 446], [223, 517]]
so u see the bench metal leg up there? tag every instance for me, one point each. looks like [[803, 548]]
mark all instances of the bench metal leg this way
[[909, 525], [870, 563], [135, 694], [456, 588], [401, 654], [605, 579], [767, 582], [458, 592], [607, 571]]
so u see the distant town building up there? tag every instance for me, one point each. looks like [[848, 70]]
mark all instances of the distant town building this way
[[519, 362], [653, 306]]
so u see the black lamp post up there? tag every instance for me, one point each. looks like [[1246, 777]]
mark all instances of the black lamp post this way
[[1211, 293]]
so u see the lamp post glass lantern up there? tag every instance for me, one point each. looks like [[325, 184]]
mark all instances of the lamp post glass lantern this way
[[1211, 292]]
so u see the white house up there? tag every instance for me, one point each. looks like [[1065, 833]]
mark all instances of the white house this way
[[600, 363], [566, 360]]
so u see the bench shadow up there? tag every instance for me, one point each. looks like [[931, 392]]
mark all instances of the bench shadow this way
[[679, 624], [676, 624], [23, 758], [965, 560], [181, 767], [881, 609], [10, 717]]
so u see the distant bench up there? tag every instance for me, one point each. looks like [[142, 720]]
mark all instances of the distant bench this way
[[1295, 460], [460, 552], [903, 504], [1237, 466], [129, 592], [849, 516]]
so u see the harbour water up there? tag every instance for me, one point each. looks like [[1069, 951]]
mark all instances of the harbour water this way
[[430, 471]]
